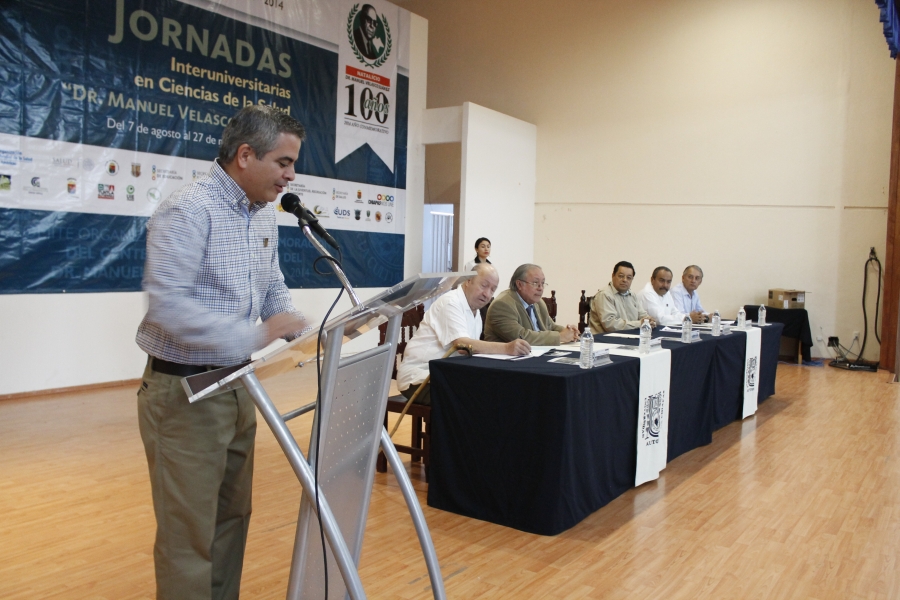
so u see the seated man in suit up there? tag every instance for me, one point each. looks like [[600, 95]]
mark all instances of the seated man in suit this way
[[657, 300], [615, 308], [519, 312], [685, 295], [452, 319]]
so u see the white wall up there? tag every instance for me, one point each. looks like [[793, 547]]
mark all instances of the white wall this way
[[497, 188], [50, 341], [752, 138], [415, 158], [53, 341]]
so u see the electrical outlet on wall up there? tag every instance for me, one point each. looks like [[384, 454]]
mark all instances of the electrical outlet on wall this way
[[855, 335], [818, 338]]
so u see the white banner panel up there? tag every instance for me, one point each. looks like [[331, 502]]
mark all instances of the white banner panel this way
[[39, 174], [653, 410], [751, 371], [349, 205], [367, 80]]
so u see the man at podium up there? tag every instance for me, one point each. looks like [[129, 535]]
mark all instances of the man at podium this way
[[211, 271]]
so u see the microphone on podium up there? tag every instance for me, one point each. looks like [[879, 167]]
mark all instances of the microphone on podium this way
[[291, 203]]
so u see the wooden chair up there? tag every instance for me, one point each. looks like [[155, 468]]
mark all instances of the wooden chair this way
[[551, 304], [420, 443], [584, 311]]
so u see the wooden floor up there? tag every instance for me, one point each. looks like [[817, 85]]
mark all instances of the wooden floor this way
[[800, 501]]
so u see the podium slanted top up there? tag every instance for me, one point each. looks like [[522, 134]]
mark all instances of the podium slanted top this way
[[358, 320]]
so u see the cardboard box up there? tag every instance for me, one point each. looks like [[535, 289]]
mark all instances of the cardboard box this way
[[782, 298]]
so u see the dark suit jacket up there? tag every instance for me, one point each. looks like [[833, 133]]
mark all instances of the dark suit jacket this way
[[507, 321], [365, 47]]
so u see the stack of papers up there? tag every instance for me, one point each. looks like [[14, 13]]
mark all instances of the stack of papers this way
[[535, 351]]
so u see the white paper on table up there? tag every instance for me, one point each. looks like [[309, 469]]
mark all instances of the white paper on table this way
[[624, 335], [540, 350], [597, 346], [709, 325], [667, 328], [500, 356], [535, 351]]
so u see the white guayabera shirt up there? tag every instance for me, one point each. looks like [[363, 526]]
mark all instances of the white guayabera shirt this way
[[661, 308], [448, 319]]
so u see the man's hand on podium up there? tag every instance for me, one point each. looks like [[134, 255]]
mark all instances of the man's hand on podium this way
[[283, 324]]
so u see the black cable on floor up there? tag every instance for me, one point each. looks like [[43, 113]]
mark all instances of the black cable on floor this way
[[872, 258]]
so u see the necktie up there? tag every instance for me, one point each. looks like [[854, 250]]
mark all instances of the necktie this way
[[534, 320]]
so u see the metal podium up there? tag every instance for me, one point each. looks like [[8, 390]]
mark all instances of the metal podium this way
[[354, 393]]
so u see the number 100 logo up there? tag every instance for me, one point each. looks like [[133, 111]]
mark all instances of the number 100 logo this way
[[369, 104]]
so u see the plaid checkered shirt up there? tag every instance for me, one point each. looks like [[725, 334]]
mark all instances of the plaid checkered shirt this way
[[211, 270]]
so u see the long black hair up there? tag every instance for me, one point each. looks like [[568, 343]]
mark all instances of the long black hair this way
[[478, 243]]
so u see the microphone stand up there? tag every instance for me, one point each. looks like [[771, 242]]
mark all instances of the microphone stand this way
[[304, 226]]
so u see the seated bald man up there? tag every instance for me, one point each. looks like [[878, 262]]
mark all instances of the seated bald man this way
[[452, 319], [519, 312]]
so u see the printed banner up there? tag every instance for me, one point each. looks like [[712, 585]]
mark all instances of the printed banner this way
[[90, 252], [653, 415], [109, 106], [751, 371], [653, 409], [367, 80]]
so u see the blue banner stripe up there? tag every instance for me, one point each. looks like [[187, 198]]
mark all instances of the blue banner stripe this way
[[54, 252]]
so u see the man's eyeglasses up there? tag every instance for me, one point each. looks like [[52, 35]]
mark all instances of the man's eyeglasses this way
[[535, 284]]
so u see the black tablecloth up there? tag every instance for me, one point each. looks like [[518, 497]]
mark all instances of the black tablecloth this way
[[539, 446], [796, 325]]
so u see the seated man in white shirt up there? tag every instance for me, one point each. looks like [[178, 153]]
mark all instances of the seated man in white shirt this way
[[452, 319], [658, 301], [685, 295]]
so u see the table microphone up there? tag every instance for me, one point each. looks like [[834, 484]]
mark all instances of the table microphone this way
[[291, 203]]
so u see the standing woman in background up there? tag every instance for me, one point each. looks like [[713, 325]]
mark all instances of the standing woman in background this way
[[482, 251]]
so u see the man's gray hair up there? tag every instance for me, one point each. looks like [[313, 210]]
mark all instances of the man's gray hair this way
[[259, 127], [689, 267], [519, 273]]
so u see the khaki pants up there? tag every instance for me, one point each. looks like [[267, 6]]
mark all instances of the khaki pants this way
[[201, 470]]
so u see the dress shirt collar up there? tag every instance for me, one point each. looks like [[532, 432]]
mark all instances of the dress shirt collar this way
[[615, 291], [648, 289], [462, 298], [522, 300], [233, 193]]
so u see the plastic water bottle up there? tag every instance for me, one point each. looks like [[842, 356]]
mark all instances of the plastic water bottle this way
[[686, 328], [716, 324], [762, 315], [741, 318], [646, 334], [587, 349]]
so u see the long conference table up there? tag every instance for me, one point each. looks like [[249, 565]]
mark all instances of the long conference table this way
[[538, 446]]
